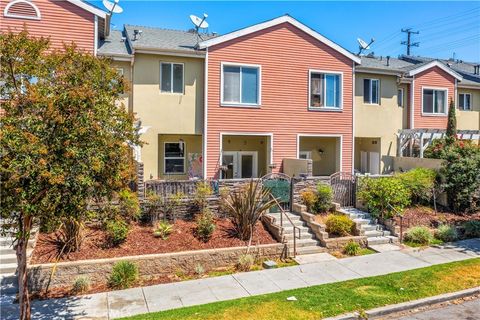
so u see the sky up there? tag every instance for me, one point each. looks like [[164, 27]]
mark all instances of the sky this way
[[446, 28]]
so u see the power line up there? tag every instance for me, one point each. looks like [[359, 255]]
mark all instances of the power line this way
[[409, 43]]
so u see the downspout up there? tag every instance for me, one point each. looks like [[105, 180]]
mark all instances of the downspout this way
[[205, 117], [412, 104], [95, 36], [353, 118]]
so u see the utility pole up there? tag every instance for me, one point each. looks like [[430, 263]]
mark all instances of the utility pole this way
[[409, 43]]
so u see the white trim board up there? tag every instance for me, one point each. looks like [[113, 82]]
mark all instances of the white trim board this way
[[432, 64], [88, 7], [31, 4], [274, 22]]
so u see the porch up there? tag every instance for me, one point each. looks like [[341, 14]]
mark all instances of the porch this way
[[367, 155], [324, 151]]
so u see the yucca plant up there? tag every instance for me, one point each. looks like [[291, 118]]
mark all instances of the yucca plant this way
[[246, 205]]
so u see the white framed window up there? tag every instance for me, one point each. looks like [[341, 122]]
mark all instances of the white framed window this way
[[240, 84], [305, 155], [119, 71], [465, 101], [371, 91], [434, 101], [171, 77], [325, 89], [400, 97], [174, 157]]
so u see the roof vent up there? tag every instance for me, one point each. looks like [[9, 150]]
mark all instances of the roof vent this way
[[388, 61], [476, 69], [136, 34]]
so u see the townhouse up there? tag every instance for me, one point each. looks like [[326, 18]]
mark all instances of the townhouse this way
[[239, 105]]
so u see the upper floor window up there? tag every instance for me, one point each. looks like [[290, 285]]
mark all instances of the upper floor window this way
[[171, 77], [325, 90], [400, 97], [434, 101], [371, 89], [240, 85], [464, 101], [22, 9]]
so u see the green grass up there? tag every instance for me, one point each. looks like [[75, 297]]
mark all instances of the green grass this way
[[337, 298]]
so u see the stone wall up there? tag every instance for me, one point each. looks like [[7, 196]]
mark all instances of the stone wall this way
[[150, 266], [308, 183]]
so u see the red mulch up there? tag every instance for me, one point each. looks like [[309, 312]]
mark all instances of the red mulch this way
[[425, 216], [141, 241]]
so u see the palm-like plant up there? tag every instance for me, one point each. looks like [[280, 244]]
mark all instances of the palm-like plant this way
[[246, 206]]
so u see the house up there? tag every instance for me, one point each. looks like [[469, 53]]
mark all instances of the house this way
[[239, 105]]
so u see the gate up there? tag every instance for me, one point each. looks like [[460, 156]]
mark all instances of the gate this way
[[344, 188], [279, 185]]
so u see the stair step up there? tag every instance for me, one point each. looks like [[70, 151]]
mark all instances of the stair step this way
[[376, 233], [304, 242], [8, 268], [8, 258], [7, 242], [309, 250], [362, 221], [291, 216], [381, 240], [8, 284], [371, 227], [303, 235]]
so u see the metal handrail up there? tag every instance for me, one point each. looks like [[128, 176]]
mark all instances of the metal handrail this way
[[282, 213]]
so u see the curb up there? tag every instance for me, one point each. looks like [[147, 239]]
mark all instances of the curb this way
[[382, 311]]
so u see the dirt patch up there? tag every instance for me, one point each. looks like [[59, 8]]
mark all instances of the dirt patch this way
[[141, 241], [425, 216]]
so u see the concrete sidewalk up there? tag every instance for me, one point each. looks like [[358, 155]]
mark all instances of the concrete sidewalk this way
[[115, 304]]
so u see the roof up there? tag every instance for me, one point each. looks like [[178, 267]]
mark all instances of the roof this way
[[164, 39], [384, 64], [114, 45], [89, 7], [418, 68], [274, 22]]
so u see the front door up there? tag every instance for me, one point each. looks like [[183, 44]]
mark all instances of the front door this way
[[239, 164]]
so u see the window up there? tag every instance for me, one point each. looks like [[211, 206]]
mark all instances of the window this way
[[241, 85], [174, 154], [171, 77], [325, 90], [464, 101], [305, 155], [371, 91], [400, 97], [434, 101]]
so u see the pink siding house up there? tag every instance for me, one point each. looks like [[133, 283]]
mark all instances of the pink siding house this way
[[277, 90]]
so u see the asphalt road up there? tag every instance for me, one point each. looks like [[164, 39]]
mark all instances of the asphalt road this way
[[468, 310]]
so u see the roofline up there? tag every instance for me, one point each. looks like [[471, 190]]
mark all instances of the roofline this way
[[88, 7], [435, 63], [274, 22], [469, 86], [361, 69], [177, 53]]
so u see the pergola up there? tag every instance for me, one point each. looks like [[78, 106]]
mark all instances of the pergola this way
[[409, 141]]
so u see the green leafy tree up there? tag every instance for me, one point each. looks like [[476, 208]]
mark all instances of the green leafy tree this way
[[451, 134], [64, 140]]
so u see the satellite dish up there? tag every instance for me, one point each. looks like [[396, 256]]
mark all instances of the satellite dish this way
[[198, 22], [112, 7], [362, 45]]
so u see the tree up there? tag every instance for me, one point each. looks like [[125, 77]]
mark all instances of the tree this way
[[451, 134], [64, 140]]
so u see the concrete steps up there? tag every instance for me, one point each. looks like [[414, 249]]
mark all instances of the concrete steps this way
[[307, 244], [376, 233]]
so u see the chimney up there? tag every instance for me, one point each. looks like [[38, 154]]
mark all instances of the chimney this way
[[388, 61], [477, 69]]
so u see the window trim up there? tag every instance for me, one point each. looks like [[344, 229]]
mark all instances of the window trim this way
[[308, 155], [462, 108], [16, 16], [371, 91], [165, 158], [171, 78], [435, 114], [119, 70], [224, 103], [324, 108], [403, 97]]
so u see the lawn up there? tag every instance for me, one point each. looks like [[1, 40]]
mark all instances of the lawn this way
[[337, 298]]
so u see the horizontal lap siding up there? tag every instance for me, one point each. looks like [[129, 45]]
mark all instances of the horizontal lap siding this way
[[62, 21], [285, 54], [434, 77]]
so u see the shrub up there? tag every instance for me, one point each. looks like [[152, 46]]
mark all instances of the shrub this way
[[81, 285], [324, 199], [163, 230], [352, 248], [202, 191], [246, 205], [205, 225], [446, 233], [436, 150], [472, 229], [340, 225], [124, 274], [157, 207], [117, 231], [461, 172], [245, 262], [380, 195], [308, 199], [420, 182], [419, 235], [129, 204]]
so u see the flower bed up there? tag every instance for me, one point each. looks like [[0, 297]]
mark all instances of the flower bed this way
[[141, 241]]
